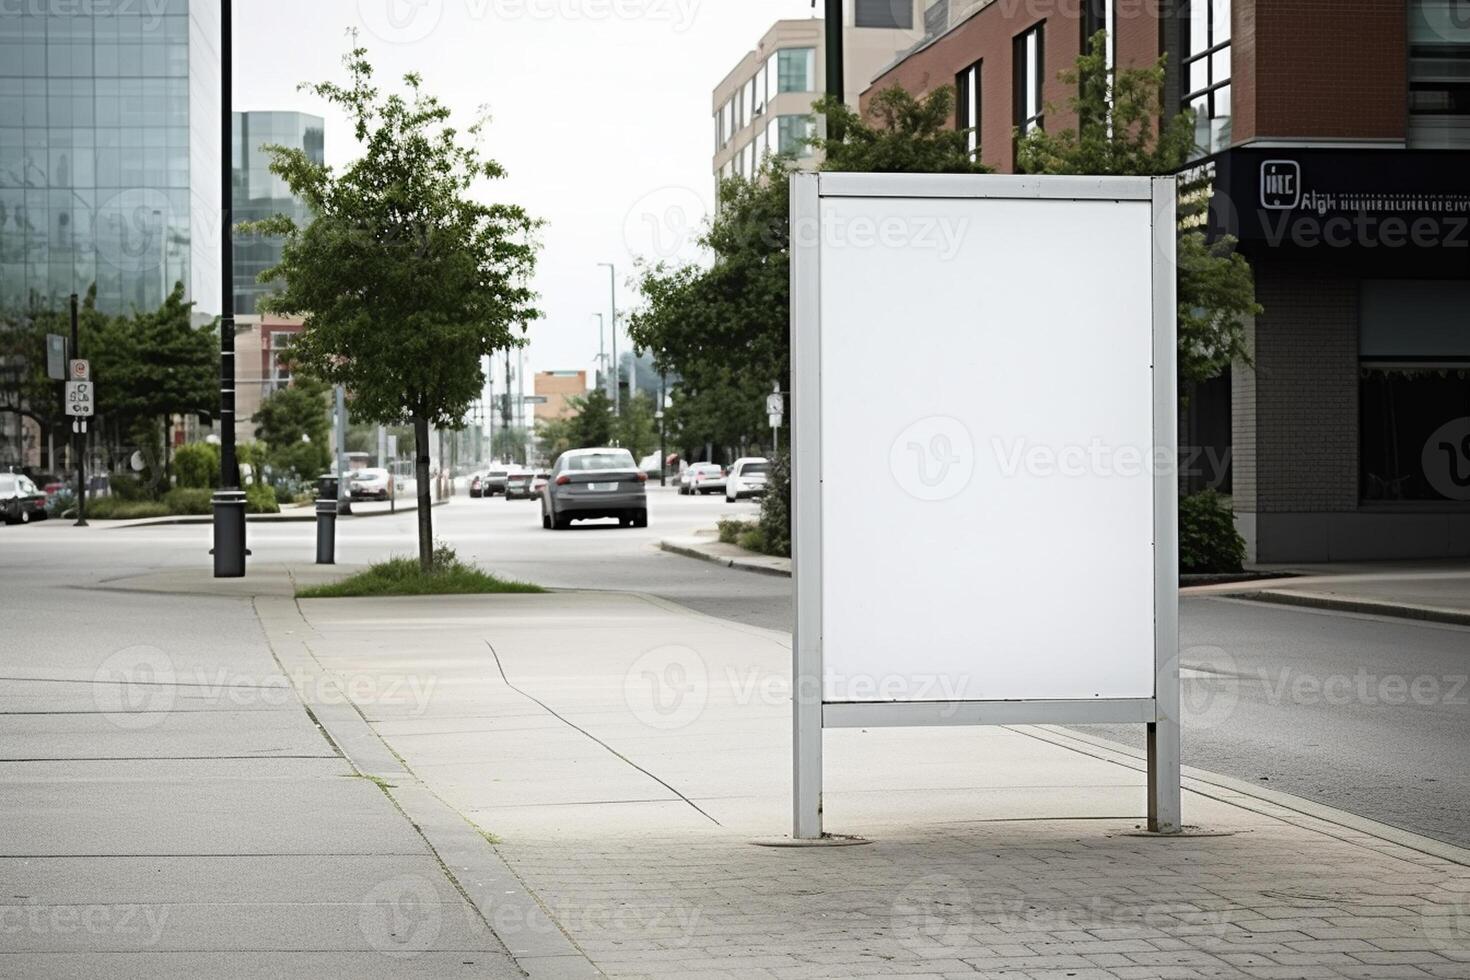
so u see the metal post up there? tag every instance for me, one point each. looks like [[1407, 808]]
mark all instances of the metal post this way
[[229, 501], [79, 439], [602, 349], [326, 530], [836, 85], [663, 449], [612, 284], [344, 502]]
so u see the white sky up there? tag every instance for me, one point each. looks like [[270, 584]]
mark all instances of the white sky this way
[[600, 112]]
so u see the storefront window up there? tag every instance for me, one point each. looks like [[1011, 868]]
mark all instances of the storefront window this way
[[1415, 432]]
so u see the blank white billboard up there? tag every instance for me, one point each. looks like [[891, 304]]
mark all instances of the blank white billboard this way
[[987, 447]]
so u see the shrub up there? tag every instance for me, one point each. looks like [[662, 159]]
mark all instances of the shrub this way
[[775, 522], [197, 465], [1208, 541], [128, 487], [189, 501], [118, 509], [261, 499], [730, 531]]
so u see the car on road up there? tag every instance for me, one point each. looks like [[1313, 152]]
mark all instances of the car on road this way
[[747, 478], [477, 484], [493, 480], [370, 484], [538, 483], [518, 485], [702, 478], [21, 501], [588, 484]]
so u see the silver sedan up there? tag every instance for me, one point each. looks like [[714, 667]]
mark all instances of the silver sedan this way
[[588, 484]]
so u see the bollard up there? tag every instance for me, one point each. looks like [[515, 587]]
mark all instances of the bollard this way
[[229, 534], [326, 531]]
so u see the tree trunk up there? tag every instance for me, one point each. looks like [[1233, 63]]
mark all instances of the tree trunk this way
[[424, 493]]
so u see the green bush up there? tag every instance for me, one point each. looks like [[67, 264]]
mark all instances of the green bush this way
[[775, 523], [403, 576], [261, 499], [118, 509], [189, 501], [197, 465], [730, 531], [1208, 541], [128, 487]]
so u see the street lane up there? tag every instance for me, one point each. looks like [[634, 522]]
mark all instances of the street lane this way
[[1366, 714]]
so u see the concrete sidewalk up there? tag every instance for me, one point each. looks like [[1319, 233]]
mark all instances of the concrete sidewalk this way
[[1437, 591], [623, 753]]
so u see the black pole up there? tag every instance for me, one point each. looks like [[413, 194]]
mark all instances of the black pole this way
[[229, 502], [663, 450], [78, 440], [835, 74]]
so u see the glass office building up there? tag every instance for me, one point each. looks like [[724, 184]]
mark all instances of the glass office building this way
[[109, 153], [259, 194]]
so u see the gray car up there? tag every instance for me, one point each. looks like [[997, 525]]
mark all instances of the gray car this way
[[587, 484]]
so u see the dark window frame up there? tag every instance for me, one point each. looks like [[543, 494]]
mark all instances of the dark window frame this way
[[963, 99], [1023, 121]]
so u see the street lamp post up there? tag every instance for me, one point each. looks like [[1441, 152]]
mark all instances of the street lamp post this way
[[612, 292], [601, 348], [229, 501], [663, 451]]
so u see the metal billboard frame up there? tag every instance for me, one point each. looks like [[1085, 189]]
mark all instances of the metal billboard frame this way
[[811, 713]]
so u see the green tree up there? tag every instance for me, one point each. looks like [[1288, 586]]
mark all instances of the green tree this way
[[593, 422], [1115, 134], [553, 437], [899, 134], [508, 444], [636, 430], [296, 428], [405, 279]]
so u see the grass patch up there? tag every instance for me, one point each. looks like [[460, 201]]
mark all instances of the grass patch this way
[[113, 509], [403, 576], [745, 534]]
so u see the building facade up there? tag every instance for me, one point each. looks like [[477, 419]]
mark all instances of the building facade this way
[[1335, 149], [262, 342], [109, 153], [260, 194], [764, 104], [558, 388]]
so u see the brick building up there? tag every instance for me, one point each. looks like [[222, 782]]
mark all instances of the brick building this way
[[558, 388], [1334, 142]]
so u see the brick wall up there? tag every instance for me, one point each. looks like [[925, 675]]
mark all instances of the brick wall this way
[[987, 37], [1319, 69], [1295, 416]]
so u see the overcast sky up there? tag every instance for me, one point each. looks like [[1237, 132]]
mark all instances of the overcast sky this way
[[600, 112]]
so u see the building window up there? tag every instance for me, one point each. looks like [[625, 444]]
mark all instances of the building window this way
[[796, 69], [1439, 74], [280, 365], [967, 108], [1206, 71], [891, 14], [727, 122], [1101, 15], [792, 132], [1028, 57]]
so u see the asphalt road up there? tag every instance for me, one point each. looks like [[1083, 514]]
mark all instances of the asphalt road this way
[[1367, 714]]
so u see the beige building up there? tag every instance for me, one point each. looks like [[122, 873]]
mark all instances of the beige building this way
[[764, 105], [558, 388], [260, 366]]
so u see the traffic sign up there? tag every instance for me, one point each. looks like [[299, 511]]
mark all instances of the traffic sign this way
[[55, 357], [79, 370], [80, 396]]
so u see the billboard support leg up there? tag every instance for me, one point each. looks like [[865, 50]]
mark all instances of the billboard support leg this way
[[1163, 777], [806, 746]]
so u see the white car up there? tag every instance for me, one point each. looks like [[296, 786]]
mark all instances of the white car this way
[[373, 483], [747, 478], [702, 478]]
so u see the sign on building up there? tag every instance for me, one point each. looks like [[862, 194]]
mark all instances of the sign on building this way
[[1015, 561]]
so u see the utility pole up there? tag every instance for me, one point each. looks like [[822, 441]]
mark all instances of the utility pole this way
[[836, 73], [229, 501], [663, 454], [612, 283], [79, 426], [602, 351], [344, 502]]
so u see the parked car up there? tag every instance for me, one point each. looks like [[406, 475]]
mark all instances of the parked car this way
[[747, 478], [702, 478], [370, 484], [587, 484], [21, 501], [518, 485], [538, 483], [493, 481]]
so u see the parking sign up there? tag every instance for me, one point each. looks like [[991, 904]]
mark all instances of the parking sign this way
[[80, 397]]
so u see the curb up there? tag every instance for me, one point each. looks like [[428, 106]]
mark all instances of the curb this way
[[1316, 600], [257, 518], [743, 564]]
